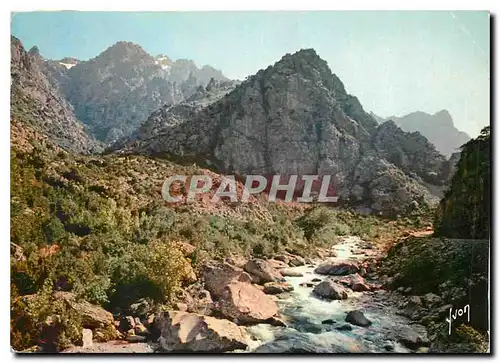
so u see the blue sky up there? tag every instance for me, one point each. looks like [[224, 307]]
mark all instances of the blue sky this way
[[394, 62]]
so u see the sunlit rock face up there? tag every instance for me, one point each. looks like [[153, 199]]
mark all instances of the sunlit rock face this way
[[295, 117]]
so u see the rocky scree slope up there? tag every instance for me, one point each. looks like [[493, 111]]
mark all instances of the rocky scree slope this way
[[35, 101], [115, 91], [295, 117]]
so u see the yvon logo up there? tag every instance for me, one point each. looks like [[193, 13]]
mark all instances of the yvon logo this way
[[458, 312]]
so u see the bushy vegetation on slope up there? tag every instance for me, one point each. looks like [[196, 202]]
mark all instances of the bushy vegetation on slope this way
[[97, 226]]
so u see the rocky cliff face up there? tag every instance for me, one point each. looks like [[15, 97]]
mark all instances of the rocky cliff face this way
[[438, 129], [296, 118], [115, 91], [411, 152], [464, 212], [35, 101], [165, 118]]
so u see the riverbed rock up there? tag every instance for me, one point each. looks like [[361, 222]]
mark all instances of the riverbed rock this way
[[307, 284], [277, 264], [273, 288], [356, 317], [412, 340], [354, 281], [431, 299], [415, 301], [283, 258], [188, 332], [360, 287], [330, 290], [277, 321], [344, 327], [247, 304], [389, 346], [337, 268], [444, 311], [328, 321], [217, 275], [297, 261], [290, 272], [261, 271], [198, 300]]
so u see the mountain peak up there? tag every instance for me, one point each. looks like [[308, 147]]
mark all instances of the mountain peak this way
[[438, 128], [125, 51], [308, 56], [445, 116], [34, 51]]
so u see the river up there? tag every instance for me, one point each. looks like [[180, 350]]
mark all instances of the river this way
[[304, 314]]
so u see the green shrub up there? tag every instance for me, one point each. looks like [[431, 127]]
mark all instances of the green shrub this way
[[42, 320]]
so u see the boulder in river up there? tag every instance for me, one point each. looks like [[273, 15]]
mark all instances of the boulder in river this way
[[360, 287], [297, 261], [262, 271], [246, 304], [217, 275], [273, 288], [329, 289], [290, 272], [337, 268], [344, 327], [412, 340], [350, 280], [307, 284], [328, 321], [356, 317], [188, 332]]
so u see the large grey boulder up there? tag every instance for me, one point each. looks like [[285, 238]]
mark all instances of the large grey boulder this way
[[262, 271], [356, 317], [330, 290], [216, 276], [334, 267], [188, 332], [246, 304]]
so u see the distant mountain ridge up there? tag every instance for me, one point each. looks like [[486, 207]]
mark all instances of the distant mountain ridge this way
[[118, 89], [438, 128]]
